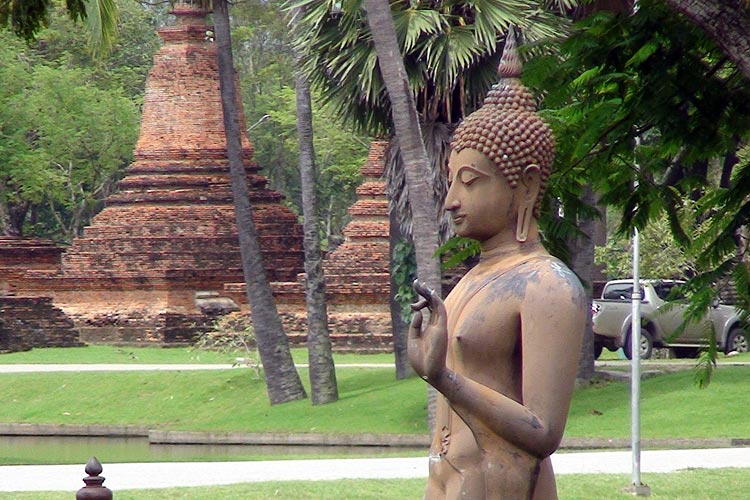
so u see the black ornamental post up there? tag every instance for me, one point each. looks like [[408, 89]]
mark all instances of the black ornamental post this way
[[94, 490]]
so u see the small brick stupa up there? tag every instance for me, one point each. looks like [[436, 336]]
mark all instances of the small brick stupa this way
[[357, 273], [168, 237]]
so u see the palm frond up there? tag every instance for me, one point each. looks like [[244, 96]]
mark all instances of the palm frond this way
[[413, 24], [101, 21], [493, 16]]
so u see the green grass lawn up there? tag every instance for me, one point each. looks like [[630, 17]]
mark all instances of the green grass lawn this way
[[685, 485], [672, 406], [184, 355], [223, 400], [232, 400]]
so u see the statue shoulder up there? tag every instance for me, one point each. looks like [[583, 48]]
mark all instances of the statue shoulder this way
[[555, 276]]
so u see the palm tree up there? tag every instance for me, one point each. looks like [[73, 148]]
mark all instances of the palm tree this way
[[408, 131], [319, 350], [282, 379]]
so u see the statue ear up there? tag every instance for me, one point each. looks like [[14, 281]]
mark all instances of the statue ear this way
[[531, 181]]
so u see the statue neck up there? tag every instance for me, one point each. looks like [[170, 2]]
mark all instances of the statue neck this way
[[505, 243]]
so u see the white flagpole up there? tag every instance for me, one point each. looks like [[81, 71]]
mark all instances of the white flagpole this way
[[637, 487]]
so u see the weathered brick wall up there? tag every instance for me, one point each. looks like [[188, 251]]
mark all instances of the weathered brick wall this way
[[19, 255], [27, 322]]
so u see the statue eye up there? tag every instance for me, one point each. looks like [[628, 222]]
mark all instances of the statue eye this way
[[468, 176]]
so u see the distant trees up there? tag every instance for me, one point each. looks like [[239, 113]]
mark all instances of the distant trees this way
[[660, 255], [69, 121], [64, 142], [265, 64]]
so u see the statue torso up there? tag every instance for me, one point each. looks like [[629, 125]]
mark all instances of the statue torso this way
[[485, 345]]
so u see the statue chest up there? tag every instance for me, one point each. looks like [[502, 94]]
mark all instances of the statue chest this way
[[484, 335]]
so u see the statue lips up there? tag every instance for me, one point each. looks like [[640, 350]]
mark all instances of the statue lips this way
[[458, 219]]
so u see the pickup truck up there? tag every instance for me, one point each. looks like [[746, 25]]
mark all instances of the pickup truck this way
[[660, 325]]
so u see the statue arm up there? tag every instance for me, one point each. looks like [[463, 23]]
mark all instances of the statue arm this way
[[552, 317]]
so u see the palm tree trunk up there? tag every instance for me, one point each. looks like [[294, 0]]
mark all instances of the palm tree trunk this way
[[323, 385], [282, 380], [408, 131], [416, 163], [726, 21]]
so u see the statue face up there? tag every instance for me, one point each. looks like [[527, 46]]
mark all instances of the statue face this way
[[481, 202]]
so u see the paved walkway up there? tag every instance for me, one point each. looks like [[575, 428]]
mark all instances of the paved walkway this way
[[166, 475], [27, 368]]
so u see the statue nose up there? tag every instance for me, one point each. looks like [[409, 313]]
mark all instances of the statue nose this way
[[451, 203]]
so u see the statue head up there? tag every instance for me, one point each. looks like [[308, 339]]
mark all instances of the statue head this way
[[508, 131]]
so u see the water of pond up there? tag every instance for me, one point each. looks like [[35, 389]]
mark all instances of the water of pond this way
[[15, 450]]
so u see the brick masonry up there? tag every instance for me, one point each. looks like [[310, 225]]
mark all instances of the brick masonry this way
[[357, 272], [27, 322], [19, 255]]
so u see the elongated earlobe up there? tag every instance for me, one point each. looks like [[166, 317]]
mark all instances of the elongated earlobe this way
[[525, 211]]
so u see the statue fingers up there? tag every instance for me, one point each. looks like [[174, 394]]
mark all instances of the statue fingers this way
[[438, 312], [422, 289], [419, 305], [415, 327]]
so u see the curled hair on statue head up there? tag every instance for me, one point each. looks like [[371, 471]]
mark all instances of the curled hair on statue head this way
[[507, 128]]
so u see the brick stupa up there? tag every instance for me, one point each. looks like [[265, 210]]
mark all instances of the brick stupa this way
[[357, 272], [168, 234]]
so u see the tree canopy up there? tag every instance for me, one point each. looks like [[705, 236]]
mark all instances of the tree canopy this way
[[27, 17], [450, 51], [654, 114], [64, 142]]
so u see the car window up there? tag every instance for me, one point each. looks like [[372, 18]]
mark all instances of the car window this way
[[619, 291], [663, 291]]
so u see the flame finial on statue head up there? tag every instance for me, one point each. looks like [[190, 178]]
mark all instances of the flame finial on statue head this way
[[507, 128], [510, 64]]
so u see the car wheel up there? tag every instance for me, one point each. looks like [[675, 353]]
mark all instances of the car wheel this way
[[598, 348], [737, 341], [647, 345]]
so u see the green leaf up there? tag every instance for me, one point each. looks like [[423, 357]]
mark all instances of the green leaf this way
[[414, 24], [646, 51]]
